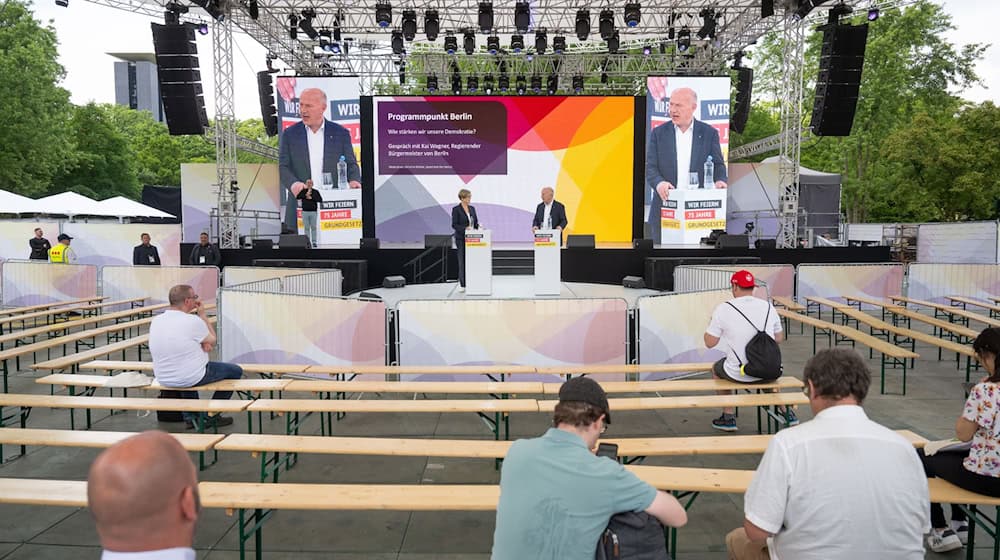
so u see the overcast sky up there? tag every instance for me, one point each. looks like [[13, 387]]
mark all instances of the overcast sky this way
[[88, 31]]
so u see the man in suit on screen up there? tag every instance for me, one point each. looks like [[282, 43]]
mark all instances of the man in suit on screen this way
[[550, 213], [310, 148], [678, 148]]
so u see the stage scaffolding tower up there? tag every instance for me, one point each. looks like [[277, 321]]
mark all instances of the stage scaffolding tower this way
[[793, 51], [225, 132]]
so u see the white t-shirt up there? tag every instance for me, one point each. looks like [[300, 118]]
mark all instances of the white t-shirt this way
[[735, 331], [175, 343], [316, 141], [840, 487]]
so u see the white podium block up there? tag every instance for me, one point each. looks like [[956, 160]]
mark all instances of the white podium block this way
[[478, 262], [689, 215], [339, 220], [548, 268]]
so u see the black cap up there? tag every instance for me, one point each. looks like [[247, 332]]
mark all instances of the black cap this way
[[63, 237], [584, 389]]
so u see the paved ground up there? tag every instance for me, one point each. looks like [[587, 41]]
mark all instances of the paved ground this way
[[933, 401]]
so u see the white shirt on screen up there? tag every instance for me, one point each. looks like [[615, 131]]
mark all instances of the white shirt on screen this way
[[684, 141], [547, 217], [840, 486], [175, 344], [735, 331], [316, 154]]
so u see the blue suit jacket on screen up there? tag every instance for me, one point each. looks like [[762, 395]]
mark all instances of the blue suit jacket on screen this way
[[293, 161]]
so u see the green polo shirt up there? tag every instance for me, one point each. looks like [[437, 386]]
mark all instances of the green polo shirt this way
[[556, 498]]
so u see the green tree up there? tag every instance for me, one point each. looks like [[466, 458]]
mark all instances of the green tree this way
[[36, 144], [103, 164], [157, 155]]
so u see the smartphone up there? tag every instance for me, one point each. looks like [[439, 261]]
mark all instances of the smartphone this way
[[609, 450]]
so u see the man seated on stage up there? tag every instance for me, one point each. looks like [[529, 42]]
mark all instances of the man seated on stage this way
[[839, 487], [143, 495], [557, 496], [180, 343]]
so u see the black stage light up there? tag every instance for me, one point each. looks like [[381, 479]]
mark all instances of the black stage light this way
[[293, 26], [450, 44], [432, 83], [522, 17], [409, 24], [582, 24], [397, 41], [614, 43], [517, 43], [683, 40], [485, 16], [541, 41], [493, 44], [305, 24], [578, 84], [536, 84], [383, 14], [488, 84], [709, 20], [456, 83], [519, 85], [633, 13], [432, 25], [553, 84], [469, 42], [606, 24], [213, 7], [559, 44], [503, 83], [472, 84]]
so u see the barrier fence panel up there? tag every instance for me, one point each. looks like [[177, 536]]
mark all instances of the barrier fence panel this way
[[154, 282], [834, 281], [32, 282], [935, 282], [543, 332], [959, 242], [324, 283], [233, 275], [672, 328], [779, 278], [273, 327], [112, 244], [14, 236]]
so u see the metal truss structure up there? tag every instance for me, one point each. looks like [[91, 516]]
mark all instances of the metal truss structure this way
[[225, 133], [791, 140]]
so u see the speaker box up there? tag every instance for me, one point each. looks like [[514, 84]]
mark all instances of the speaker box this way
[[642, 244], [435, 240], [727, 241], [580, 242], [766, 244], [839, 79], [179, 79], [744, 89], [293, 241], [263, 244], [268, 112], [393, 282], [370, 243], [635, 282]]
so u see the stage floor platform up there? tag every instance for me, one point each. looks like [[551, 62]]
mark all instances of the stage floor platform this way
[[516, 246], [509, 287]]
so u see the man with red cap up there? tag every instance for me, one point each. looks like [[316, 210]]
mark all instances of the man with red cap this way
[[734, 323]]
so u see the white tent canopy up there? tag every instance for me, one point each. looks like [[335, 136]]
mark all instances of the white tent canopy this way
[[70, 204], [11, 203], [124, 208]]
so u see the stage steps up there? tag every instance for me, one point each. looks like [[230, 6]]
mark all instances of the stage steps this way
[[508, 263]]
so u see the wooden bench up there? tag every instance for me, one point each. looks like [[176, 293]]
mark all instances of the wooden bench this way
[[49, 314], [818, 303], [24, 437], [54, 329], [72, 380], [682, 386], [42, 306], [964, 302], [949, 312], [791, 305], [891, 354]]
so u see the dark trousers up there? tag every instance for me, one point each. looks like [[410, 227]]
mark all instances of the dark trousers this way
[[948, 466], [460, 246], [214, 371]]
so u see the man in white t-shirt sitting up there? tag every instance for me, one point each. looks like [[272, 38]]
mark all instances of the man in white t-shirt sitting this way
[[839, 487], [735, 331], [180, 342]]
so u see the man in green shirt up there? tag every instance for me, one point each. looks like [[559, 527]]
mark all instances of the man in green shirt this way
[[557, 496]]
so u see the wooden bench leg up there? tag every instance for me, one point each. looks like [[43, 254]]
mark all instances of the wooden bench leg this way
[[253, 525]]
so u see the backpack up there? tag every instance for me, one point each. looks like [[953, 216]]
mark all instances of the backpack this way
[[632, 536], [762, 352]]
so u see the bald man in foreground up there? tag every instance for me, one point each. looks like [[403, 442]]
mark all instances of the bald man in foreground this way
[[143, 495]]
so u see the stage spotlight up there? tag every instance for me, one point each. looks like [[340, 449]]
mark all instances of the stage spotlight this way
[[485, 16], [336, 30], [582, 24], [614, 43], [606, 24], [450, 43], [522, 17], [409, 24], [397, 41], [633, 13], [873, 13], [253, 10], [456, 83], [201, 28], [469, 42], [683, 40], [305, 24], [493, 44], [334, 47], [293, 26], [432, 83], [172, 13], [402, 71], [432, 25], [383, 14], [578, 84], [647, 50], [65, 4], [503, 83], [536, 84], [559, 44], [517, 43], [519, 85], [213, 7], [324, 39], [472, 84], [541, 41], [553, 84], [804, 7], [488, 84], [709, 20], [604, 77]]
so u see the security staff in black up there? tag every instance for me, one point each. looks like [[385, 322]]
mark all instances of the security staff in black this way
[[145, 254], [39, 246]]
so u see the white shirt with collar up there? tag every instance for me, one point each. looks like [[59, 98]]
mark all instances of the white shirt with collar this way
[[683, 141], [316, 142], [840, 486], [164, 554], [547, 216]]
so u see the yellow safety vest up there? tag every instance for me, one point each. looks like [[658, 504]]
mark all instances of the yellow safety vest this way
[[57, 254]]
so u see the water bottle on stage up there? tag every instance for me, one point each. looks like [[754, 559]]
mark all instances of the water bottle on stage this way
[[342, 173], [708, 182]]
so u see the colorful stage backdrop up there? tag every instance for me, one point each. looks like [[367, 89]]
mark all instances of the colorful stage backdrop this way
[[258, 184], [504, 150], [33, 282], [14, 235]]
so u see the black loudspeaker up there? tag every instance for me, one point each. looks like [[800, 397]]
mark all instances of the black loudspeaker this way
[[580, 242], [766, 244], [727, 241], [434, 240], [179, 79], [635, 282], [370, 243], [263, 244], [293, 241], [642, 244], [841, 60], [744, 89], [268, 112], [393, 282], [766, 8]]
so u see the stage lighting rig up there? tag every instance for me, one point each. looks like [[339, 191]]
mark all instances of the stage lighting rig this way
[[293, 26], [614, 43], [709, 21], [541, 41], [493, 44], [488, 84], [559, 44], [553, 84], [582, 27], [172, 15], [473, 84], [516, 43], [213, 7], [397, 41], [522, 17], [432, 83], [578, 84], [520, 85], [450, 43], [536, 84], [606, 24], [409, 24], [432, 25], [469, 41], [305, 23], [683, 40], [503, 83], [383, 14], [485, 16], [633, 14]]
